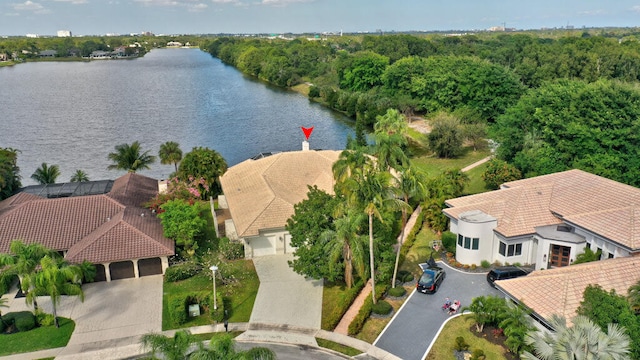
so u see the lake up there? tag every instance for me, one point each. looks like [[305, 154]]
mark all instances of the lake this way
[[73, 113]]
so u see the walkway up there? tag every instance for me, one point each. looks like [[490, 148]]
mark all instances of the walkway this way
[[476, 164]]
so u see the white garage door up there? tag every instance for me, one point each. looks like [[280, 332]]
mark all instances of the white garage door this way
[[262, 246]]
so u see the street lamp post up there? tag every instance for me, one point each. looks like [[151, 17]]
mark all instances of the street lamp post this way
[[214, 268]]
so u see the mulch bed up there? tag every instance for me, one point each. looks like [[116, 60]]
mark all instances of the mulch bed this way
[[494, 336]]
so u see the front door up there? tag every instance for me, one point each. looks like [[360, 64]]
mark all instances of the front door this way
[[559, 255]]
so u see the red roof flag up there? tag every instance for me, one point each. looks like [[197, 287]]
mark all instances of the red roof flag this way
[[307, 131]]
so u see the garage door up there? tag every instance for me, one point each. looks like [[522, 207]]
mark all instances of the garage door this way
[[149, 266], [262, 246], [100, 273], [288, 249], [121, 270]]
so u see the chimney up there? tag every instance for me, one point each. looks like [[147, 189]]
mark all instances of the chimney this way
[[305, 145]]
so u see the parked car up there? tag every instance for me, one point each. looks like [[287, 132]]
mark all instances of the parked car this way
[[505, 272], [431, 279]]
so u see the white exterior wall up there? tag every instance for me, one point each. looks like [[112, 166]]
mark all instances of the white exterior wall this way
[[475, 229], [544, 246], [268, 242], [598, 242], [528, 248]]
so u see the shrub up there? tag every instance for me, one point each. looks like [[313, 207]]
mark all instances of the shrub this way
[[517, 264], [382, 308], [397, 291], [2, 326], [44, 319], [314, 91], [231, 250], [358, 321], [473, 266], [466, 266], [497, 263], [178, 309], [461, 344], [449, 241], [478, 354], [182, 271], [408, 277], [331, 319], [485, 264], [25, 321]]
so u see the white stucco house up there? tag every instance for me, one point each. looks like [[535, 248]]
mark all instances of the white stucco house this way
[[261, 192], [547, 220]]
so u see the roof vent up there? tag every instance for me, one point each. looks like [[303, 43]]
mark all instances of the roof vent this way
[[564, 228], [142, 214]]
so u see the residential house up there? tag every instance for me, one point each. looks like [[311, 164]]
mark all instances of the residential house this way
[[102, 222], [261, 193], [547, 220], [48, 53]]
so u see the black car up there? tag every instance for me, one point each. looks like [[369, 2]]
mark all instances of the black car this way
[[431, 279], [503, 273]]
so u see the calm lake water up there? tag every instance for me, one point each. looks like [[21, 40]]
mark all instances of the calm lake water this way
[[73, 113]]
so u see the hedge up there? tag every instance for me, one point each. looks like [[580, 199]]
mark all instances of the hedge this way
[[381, 308], [23, 320], [330, 320], [365, 311], [181, 271], [397, 291]]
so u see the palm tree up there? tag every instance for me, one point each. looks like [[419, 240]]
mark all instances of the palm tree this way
[[389, 131], [129, 157], [348, 162], [410, 184], [222, 347], [3, 303], [583, 341], [56, 278], [22, 261], [46, 174], [344, 242], [79, 176], [170, 153], [634, 297], [516, 323], [171, 348]]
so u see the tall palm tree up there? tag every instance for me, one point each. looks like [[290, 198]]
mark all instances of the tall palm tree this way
[[634, 297], [46, 174], [348, 162], [170, 153], [171, 348], [79, 176], [56, 278], [129, 157], [345, 243], [222, 347], [22, 261], [410, 185], [389, 132], [583, 341]]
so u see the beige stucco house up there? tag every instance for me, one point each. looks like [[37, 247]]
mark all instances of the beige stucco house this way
[[261, 193], [547, 220]]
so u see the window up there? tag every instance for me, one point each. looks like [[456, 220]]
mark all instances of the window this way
[[467, 242], [610, 255], [474, 244], [588, 245], [459, 240], [510, 250]]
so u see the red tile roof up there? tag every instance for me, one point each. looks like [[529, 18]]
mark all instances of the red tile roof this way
[[98, 228], [605, 207]]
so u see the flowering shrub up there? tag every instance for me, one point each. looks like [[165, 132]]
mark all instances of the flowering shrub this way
[[190, 191]]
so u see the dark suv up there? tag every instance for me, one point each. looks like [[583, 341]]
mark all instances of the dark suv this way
[[504, 272], [430, 280]]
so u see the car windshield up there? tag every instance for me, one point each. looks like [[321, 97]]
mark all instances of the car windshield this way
[[427, 277]]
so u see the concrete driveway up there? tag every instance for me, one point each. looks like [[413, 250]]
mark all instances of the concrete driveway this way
[[285, 297], [111, 310], [413, 328]]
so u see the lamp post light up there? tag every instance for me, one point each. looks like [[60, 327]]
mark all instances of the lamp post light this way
[[214, 268]]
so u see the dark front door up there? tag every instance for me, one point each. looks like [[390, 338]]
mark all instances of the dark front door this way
[[559, 255]]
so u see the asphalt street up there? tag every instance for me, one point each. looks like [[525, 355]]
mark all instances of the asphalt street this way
[[413, 328]]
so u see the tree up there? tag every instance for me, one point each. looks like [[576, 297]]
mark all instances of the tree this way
[[9, 172], [170, 153], [605, 308], [312, 217], [22, 261], [202, 162], [410, 184], [130, 158], [345, 244], [362, 71], [56, 278], [587, 256], [222, 347], [79, 176], [3, 303], [499, 172], [516, 323], [583, 341], [171, 348], [485, 310], [182, 223], [46, 174], [445, 138], [634, 297], [390, 135]]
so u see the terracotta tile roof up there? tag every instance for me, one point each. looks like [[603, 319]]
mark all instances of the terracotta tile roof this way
[[261, 193], [84, 225], [563, 287], [603, 206]]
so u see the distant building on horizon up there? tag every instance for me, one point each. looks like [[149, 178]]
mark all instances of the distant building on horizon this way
[[64, 33]]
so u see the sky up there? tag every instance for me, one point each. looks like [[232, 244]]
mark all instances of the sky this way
[[100, 17]]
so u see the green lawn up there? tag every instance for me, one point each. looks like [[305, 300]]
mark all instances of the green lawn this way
[[336, 299], [476, 184], [420, 251], [444, 346], [328, 344], [433, 166], [239, 293], [41, 338]]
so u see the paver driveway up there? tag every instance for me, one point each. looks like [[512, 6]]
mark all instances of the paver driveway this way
[[410, 332]]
